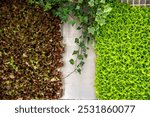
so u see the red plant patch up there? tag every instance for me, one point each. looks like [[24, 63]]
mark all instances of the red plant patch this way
[[30, 52]]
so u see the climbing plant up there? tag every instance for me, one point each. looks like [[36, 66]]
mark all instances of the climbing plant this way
[[87, 13]]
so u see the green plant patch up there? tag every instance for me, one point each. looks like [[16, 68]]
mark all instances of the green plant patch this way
[[30, 52], [123, 54]]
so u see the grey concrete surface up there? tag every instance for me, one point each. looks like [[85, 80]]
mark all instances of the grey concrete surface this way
[[77, 86]]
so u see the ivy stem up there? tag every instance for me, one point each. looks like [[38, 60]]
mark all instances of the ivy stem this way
[[75, 66], [70, 74]]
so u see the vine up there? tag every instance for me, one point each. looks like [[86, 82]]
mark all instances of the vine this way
[[87, 13]]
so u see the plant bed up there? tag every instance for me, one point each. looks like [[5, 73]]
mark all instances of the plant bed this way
[[30, 52], [123, 54]]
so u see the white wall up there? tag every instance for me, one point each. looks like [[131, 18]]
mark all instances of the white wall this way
[[77, 86]]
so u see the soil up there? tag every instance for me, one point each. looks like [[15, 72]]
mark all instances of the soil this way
[[31, 51]]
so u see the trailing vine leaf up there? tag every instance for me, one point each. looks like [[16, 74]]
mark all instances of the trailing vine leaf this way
[[72, 22], [75, 52], [77, 40], [47, 6], [81, 64], [107, 8], [102, 1], [91, 3], [77, 7], [91, 30], [80, 1], [82, 44], [31, 1], [79, 28], [79, 70], [71, 61], [80, 57], [85, 55]]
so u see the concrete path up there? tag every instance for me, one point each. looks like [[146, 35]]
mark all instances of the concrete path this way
[[77, 86]]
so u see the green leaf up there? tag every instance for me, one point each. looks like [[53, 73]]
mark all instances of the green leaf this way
[[47, 6], [79, 70], [102, 22], [81, 64], [79, 28], [71, 61], [91, 30], [77, 7], [31, 1], [80, 1], [80, 57], [91, 3], [107, 8], [76, 40], [41, 2], [83, 49], [85, 55], [85, 19], [82, 44], [62, 13], [75, 52], [1, 31], [72, 22], [102, 1]]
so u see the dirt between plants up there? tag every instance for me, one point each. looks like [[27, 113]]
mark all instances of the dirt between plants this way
[[30, 52]]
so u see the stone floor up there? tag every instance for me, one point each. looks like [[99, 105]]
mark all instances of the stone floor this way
[[77, 86]]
